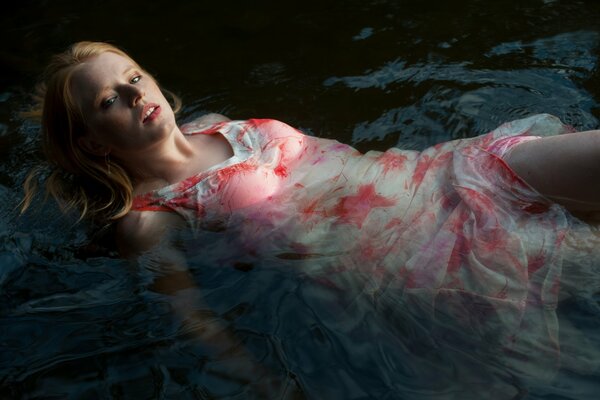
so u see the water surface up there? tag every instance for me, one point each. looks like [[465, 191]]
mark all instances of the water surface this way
[[77, 322]]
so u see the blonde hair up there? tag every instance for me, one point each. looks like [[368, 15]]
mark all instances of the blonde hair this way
[[97, 187]]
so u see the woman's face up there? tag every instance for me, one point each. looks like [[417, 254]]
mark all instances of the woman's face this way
[[123, 108]]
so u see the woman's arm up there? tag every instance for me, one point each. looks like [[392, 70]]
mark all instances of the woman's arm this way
[[564, 168], [151, 234]]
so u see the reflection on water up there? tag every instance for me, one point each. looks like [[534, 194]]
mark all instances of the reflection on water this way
[[455, 96], [77, 322]]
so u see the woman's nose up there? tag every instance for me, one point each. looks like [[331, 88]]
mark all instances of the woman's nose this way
[[136, 93]]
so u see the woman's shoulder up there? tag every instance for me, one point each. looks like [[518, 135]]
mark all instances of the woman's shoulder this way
[[203, 123], [139, 231]]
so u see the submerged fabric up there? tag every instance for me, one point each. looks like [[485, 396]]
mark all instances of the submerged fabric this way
[[450, 234]]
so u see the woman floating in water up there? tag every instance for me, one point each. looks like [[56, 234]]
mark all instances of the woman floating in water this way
[[481, 238]]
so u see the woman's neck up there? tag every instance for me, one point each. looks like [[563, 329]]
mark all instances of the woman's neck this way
[[164, 161]]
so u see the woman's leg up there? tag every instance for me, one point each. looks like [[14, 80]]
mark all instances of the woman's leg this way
[[564, 168]]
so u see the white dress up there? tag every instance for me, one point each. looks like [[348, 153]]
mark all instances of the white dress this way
[[450, 234]]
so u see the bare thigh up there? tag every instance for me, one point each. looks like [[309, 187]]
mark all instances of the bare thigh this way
[[564, 168]]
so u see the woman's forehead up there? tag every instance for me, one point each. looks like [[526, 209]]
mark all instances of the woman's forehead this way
[[97, 73]]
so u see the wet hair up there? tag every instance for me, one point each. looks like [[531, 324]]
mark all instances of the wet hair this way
[[99, 188]]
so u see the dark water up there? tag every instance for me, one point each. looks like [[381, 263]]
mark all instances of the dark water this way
[[78, 323]]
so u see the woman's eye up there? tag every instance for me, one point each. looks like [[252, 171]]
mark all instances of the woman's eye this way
[[136, 79], [108, 102]]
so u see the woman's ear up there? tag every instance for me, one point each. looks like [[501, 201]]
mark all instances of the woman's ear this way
[[92, 146]]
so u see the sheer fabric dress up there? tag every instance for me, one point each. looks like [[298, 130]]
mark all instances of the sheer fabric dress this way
[[450, 235]]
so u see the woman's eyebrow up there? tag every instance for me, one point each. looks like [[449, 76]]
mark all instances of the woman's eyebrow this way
[[98, 97], [129, 68]]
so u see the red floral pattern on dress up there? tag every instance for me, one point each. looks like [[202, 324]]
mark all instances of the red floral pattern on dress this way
[[451, 231]]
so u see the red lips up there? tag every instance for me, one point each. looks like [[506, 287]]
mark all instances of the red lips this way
[[150, 112]]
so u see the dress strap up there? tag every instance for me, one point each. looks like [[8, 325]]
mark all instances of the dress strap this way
[[148, 203]]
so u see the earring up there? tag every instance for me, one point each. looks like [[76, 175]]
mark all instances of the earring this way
[[107, 161]]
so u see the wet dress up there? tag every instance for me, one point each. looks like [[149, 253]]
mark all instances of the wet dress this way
[[450, 234]]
